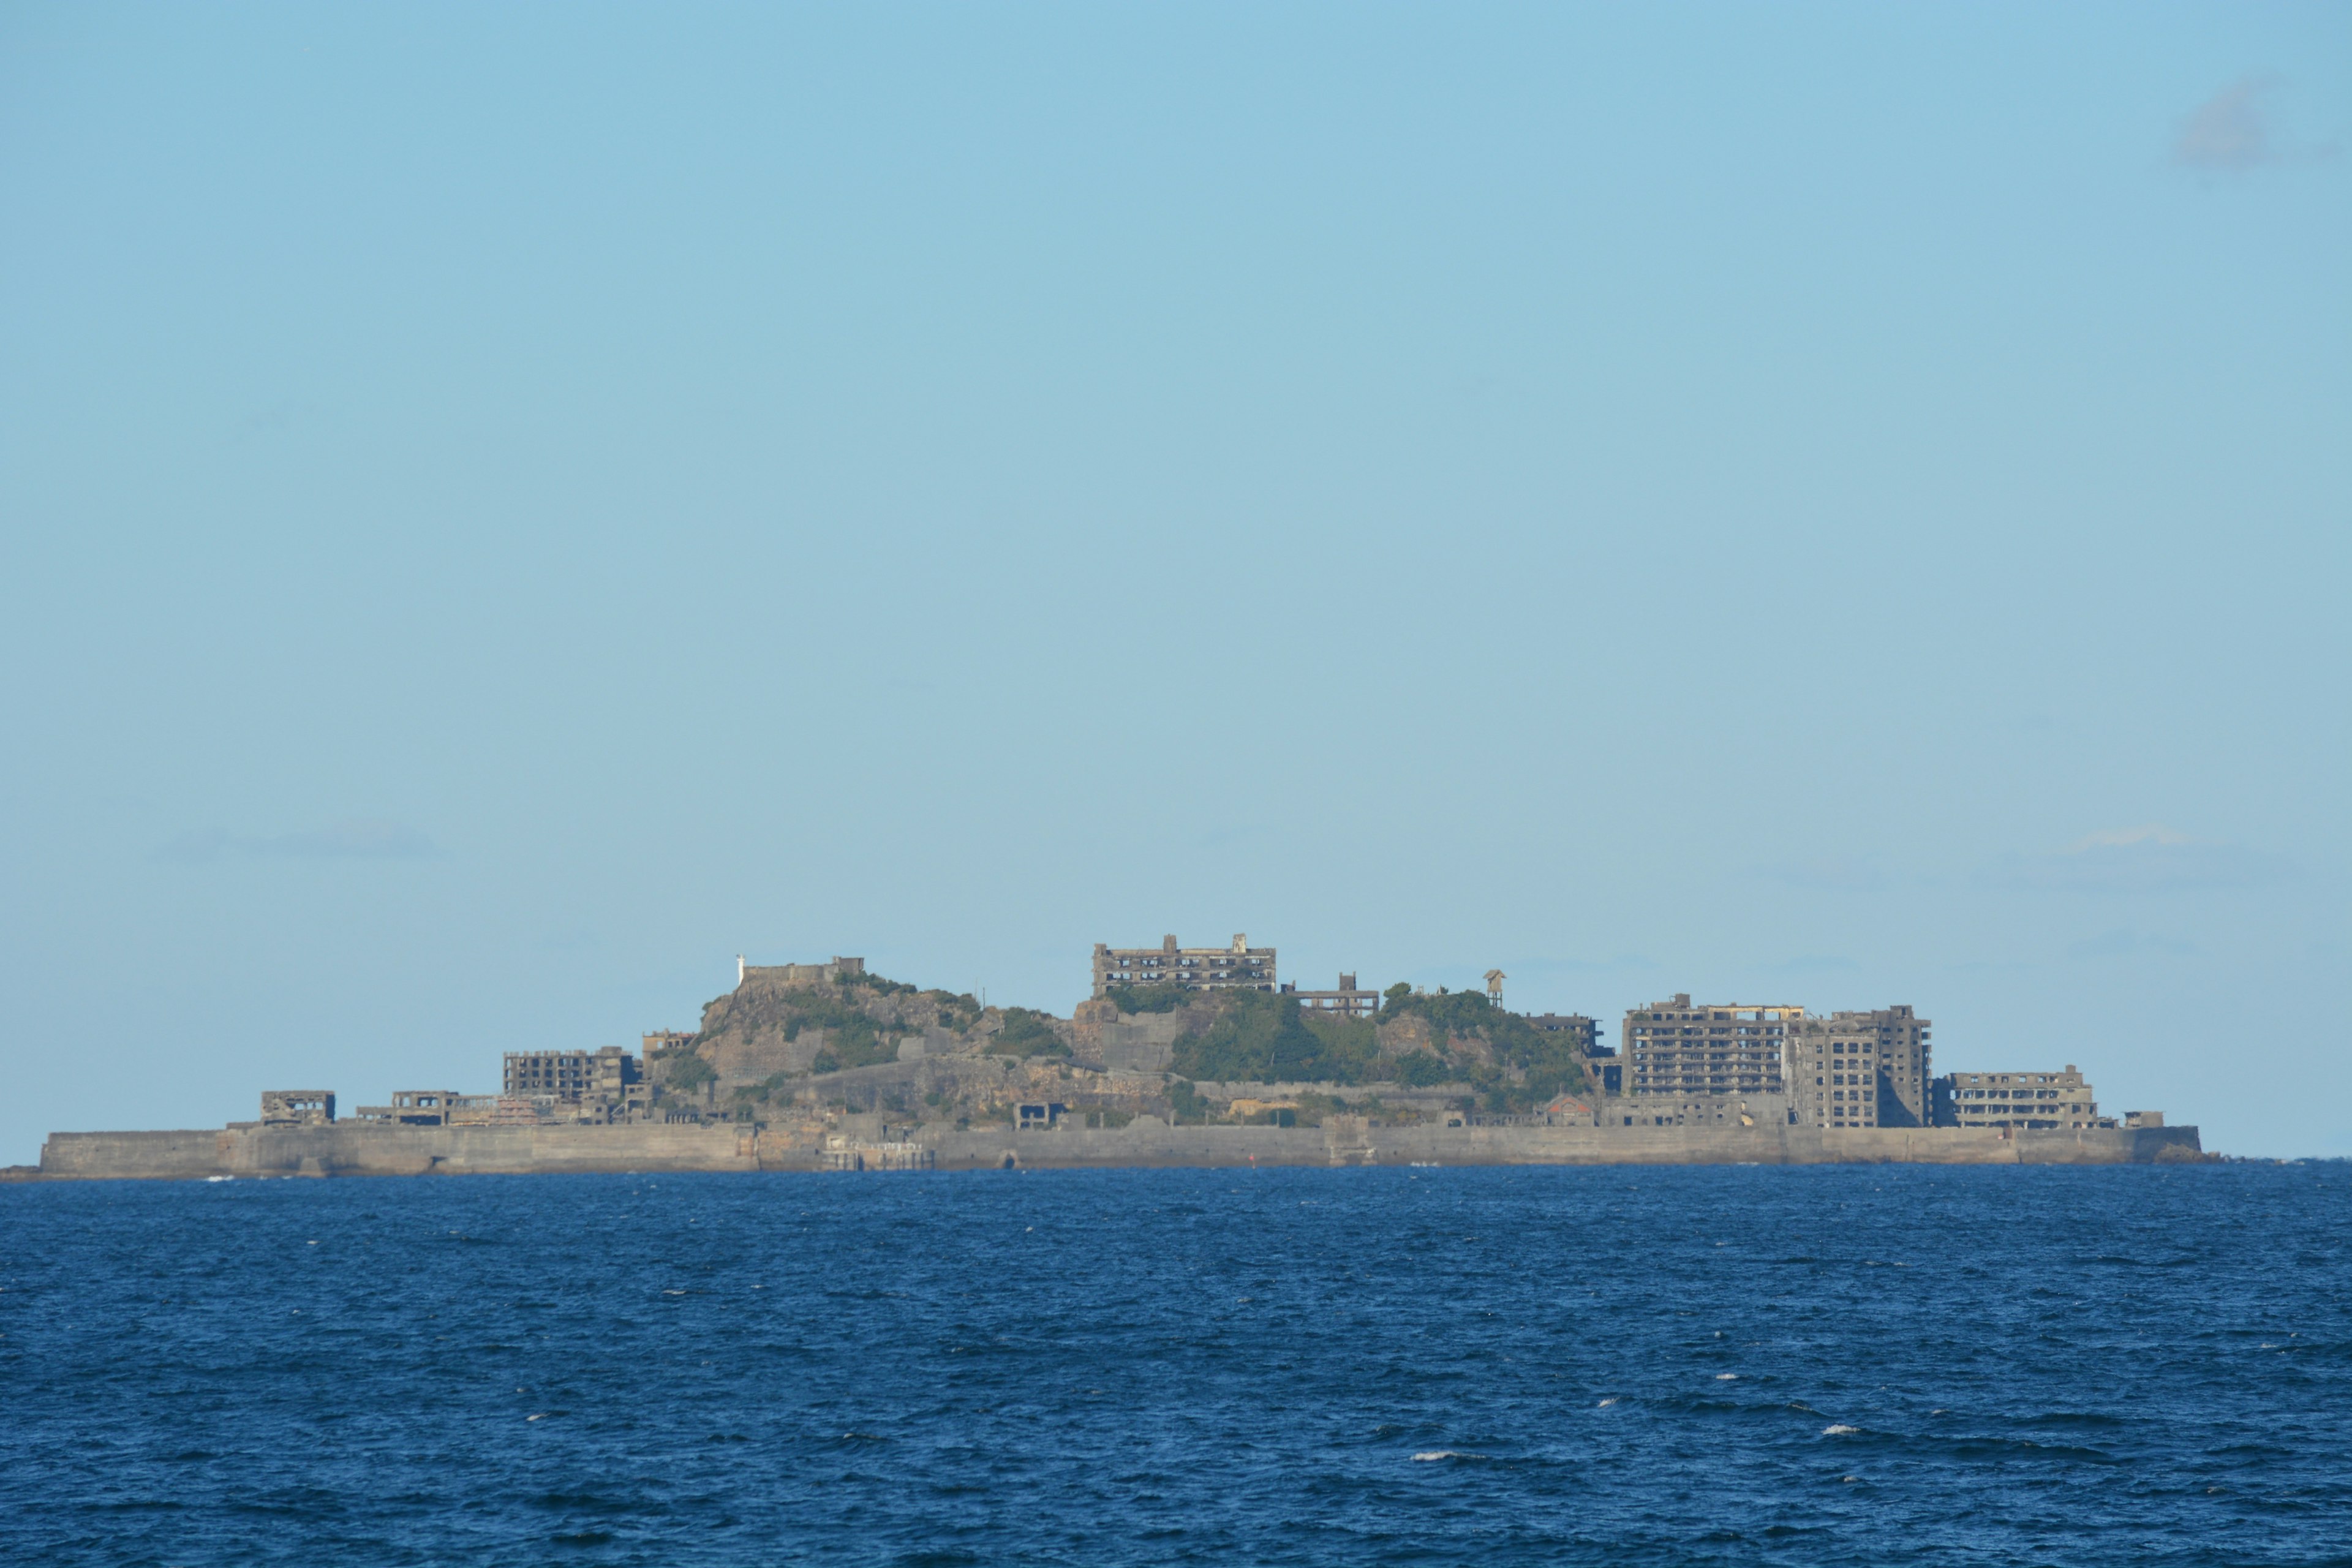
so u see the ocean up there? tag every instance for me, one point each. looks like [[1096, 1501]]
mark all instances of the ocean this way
[[1885, 1364]]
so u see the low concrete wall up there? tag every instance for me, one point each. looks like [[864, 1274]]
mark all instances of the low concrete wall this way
[[158, 1154], [358, 1150], [350, 1149], [1348, 1140]]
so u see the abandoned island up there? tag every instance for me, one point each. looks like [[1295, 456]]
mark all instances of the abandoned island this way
[[1178, 1057]]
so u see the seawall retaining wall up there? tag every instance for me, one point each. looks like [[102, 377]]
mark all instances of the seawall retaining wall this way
[[358, 1150]]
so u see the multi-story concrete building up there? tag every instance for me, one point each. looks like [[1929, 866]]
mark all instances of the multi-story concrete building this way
[[594, 1078], [1239, 967], [1350, 1000], [1726, 1049], [2029, 1100], [1860, 1069], [1582, 1032]]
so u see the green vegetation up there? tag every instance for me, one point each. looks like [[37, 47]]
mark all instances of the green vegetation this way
[[1419, 1069], [685, 1072], [876, 983], [1544, 1065], [853, 1040], [1164, 996], [1259, 1039], [1026, 1032], [1262, 1039], [763, 1092], [956, 1014], [1185, 1103]]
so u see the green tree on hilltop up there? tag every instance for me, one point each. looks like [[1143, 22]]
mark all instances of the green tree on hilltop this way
[[1262, 1039], [1025, 1034]]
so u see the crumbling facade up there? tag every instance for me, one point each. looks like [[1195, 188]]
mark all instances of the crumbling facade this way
[[1349, 1000], [297, 1107], [799, 974], [2033, 1100], [1238, 966], [1861, 1069], [1673, 1049], [602, 1085], [432, 1108]]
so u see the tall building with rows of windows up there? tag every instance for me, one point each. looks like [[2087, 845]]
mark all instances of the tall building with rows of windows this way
[[1238, 966], [1731, 1048], [1861, 1069]]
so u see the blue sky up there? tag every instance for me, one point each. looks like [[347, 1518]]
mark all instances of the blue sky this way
[[503, 509]]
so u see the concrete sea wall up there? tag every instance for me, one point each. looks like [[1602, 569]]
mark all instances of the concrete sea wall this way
[[360, 1149], [350, 1149], [1352, 1142]]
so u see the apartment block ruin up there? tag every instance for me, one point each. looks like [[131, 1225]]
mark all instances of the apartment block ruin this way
[[603, 1085], [1236, 967], [1672, 1051], [2027, 1099], [1861, 1069]]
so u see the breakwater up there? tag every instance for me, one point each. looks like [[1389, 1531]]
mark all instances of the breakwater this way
[[362, 1149]]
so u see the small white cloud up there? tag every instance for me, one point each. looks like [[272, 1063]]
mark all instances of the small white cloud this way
[[2229, 133]]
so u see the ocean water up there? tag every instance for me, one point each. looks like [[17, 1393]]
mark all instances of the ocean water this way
[[1702, 1366]]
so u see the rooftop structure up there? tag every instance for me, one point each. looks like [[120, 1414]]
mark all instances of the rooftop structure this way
[[799, 974], [1237, 967], [1350, 1000]]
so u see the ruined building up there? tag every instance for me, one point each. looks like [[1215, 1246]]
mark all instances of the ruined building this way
[[1725, 1049], [1860, 1069], [1349, 1000], [2029, 1100], [598, 1085], [1238, 967], [297, 1107], [799, 974], [432, 1108]]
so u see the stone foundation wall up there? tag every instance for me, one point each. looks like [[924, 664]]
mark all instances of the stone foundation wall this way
[[1348, 1140], [354, 1150]]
